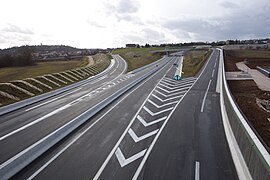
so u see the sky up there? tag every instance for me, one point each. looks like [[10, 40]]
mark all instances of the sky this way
[[114, 23]]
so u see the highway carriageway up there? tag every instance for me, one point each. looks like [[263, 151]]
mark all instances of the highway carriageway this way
[[159, 129], [24, 127]]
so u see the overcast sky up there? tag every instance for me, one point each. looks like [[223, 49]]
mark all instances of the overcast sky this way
[[113, 23]]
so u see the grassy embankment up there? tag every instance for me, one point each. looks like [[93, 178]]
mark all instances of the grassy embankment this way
[[194, 61], [39, 69], [138, 57], [42, 68]]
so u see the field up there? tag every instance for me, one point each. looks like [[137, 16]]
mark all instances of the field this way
[[138, 57], [32, 87], [246, 92], [193, 61], [251, 57], [40, 68]]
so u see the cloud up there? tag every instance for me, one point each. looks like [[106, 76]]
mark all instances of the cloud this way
[[143, 36], [239, 24], [16, 29], [228, 4], [153, 36], [95, 24], [129, 18], [13, 35], [123, 10], [127, 6]]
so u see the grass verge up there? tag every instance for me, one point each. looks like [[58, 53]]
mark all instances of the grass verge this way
[[41, 68], [194, 61], [138, 57]]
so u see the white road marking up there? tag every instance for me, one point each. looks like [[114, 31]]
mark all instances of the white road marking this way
[[166, 99], [123, 161], [176, 90], [124, 133], [213, 72], [159, 112], [34, 122], [173, 94], [51, 113], [138, 171], [190, 84], [177, 85], [204, 98], [97, 80], [215, 64], [157, 106], [53, 158], [81, 134], [169, 81], [197, 170], [51, 100], [113, 71], [146, 124], [137, 139]]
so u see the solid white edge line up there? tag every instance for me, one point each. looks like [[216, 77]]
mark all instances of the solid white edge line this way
[[237, 157], [51, 100], [137, 173], [81, 134], [53, 112], [206, 92], [197, 170], [126, 130]]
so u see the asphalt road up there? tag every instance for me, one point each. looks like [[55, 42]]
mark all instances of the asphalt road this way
[[161, 129], [24, 127]]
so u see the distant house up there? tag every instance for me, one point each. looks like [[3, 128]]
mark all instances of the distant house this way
[[131, 45]]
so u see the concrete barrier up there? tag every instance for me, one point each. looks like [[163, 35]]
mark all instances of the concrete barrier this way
[[25, 157], [27, 102], [254, 154], [263, 71]]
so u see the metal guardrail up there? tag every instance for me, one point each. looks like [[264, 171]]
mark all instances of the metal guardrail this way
[[263, 71], [255, 155], [148, 65], [21, 160], [29, 101]]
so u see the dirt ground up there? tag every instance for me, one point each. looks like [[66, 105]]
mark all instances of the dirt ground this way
[[245, 92]]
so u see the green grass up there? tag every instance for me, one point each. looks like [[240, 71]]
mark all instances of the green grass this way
[[138, 57], [193, 61], [41, 68], [101, 57]]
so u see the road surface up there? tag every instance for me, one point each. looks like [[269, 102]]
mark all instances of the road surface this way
[[160, 129]]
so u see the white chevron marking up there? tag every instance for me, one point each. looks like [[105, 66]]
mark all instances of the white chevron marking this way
[[185, 79], [137, 139], [157, 106], [123, 161], [174, 94], [166, 99], [189, 85], [159, 112], [169, 81], [146, 124], [178, 85], [177, 90]]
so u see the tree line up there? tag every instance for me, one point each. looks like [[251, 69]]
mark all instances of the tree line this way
[[22, 57]]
